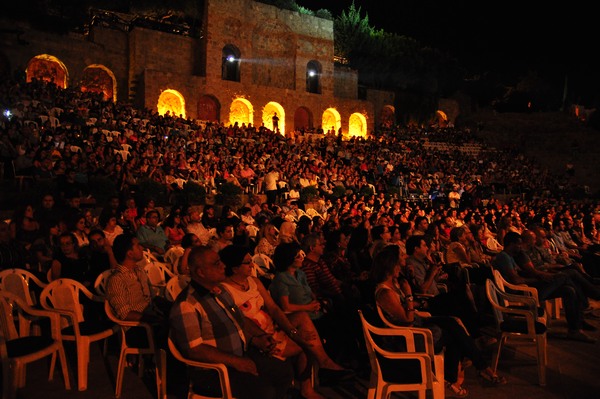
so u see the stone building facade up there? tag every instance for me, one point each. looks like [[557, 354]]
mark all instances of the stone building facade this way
[[252, 60]]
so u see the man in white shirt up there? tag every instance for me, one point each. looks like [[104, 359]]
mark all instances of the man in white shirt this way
[[270, 182], [196, 227]]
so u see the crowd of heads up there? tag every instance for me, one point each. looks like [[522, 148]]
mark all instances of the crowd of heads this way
[[394, 177]]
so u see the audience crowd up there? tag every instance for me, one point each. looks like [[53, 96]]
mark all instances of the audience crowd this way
[[431, 194]]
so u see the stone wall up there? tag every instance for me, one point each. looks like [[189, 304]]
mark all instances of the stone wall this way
[[276, 46]]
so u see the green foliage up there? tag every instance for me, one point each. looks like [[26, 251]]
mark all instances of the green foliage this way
[[391, 61], [229, 194], [309, 193], [324, 13], [351, 32], [194, 193], [293, 6]]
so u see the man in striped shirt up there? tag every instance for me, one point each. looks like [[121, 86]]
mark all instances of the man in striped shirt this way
[[206, 325], [128, 289]]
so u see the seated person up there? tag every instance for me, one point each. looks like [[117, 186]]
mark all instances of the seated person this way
[[206, 325], [295, 335], [67, 262], [393, 294], [423, 275], [548, 285], [225, 233], [100, 254], [128, 289], [151, 235], [291, 291]]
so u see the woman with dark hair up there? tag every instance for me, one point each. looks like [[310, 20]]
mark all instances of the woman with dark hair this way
[[393, 294], [24, 228], [290, 287], [380, 234], [290, 333], [188, 241], [173, 227], [290, 290], [110, 227], [303, 227], [76, 226], [209, 219], [227, 214], [353, 285], [358, 250], [67, 263]]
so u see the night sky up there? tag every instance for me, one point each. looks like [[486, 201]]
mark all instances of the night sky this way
[[489, 36]]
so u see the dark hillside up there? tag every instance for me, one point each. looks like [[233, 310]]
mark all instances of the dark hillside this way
[[552, 139]]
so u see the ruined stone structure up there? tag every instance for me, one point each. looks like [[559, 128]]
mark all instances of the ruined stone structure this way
[[252, 60]]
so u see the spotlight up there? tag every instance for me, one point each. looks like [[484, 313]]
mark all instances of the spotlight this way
[[230, 58], [312, 73]]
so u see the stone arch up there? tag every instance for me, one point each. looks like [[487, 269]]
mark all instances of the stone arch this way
[[269, 111], [99, 79], [388, 116], [331, 120], [241, 111], [441, 118], [172, 102], [303, 119], [209, 108], [357, 125], [47, 68], [313, 77]]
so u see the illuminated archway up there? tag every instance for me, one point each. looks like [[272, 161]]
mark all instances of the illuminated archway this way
[[99, 79], [357, 125], [241, 111], [331, 120], [47, 68], [441, 118], [171, 101], [388, 116], [269, 111]]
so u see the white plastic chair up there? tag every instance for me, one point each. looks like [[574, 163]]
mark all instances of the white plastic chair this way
[[172, 257], [149, 348], [62, 296], [437, 358], [158, 275], [100, 283], [517, 290], [266, 267], [28, 348], [312, 212], [19, 282], [518, 324], [428, 381], [175, 285], [218, 367]]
